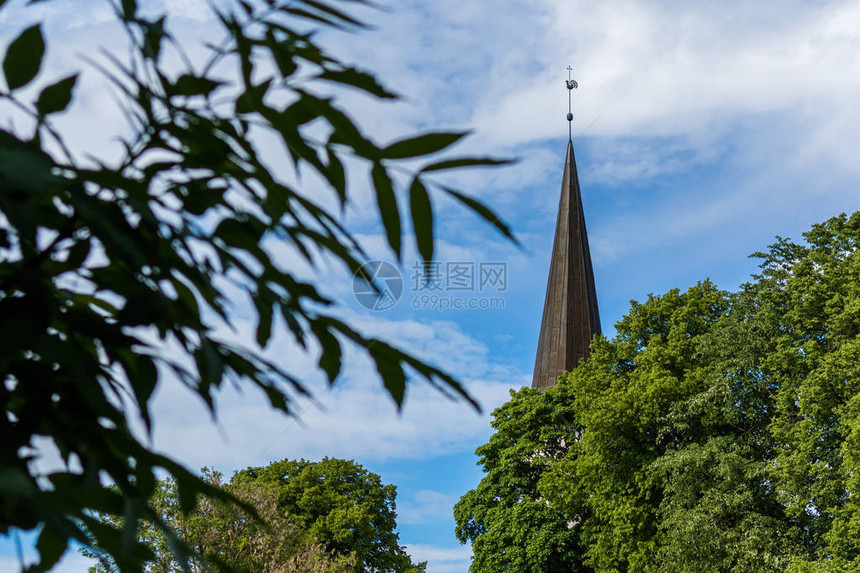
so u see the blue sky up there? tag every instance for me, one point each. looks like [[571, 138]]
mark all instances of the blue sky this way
[[701, 132]]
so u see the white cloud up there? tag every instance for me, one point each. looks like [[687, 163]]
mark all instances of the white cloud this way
[[670, 69], [441, 559], [425, 506]]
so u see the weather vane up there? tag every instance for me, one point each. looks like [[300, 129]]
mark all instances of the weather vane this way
[[571, 85]]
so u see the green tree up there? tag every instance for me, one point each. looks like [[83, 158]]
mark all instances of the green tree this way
[[115, 276], [507, 518], [809, 302], [343, 506], [716, 431], [222, 532]]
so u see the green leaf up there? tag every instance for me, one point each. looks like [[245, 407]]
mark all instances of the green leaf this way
[[24, 58], [24, 166], [358, 79], [129, 9], [466, 162], [51, 547], [146, 380], [390, 370], [340, 15], [283, 55], [422, 145], [14, 482], [78, 254], [330, 355], [264, 322], [336, 176], [153, 33], [422, 218], [189, 85], [321, 18], [484, 212], [56, 97], [252, 99], [387, 203]]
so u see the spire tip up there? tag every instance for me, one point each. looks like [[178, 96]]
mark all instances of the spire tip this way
[[571, 85]]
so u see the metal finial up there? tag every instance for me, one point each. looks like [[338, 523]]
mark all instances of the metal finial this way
[[571, 85]]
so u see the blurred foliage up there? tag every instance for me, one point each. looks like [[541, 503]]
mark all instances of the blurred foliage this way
[[716, 432], [115, 276], [343, 506], [222, 532]]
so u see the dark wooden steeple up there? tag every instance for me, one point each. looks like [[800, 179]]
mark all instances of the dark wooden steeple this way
[[570, 316]]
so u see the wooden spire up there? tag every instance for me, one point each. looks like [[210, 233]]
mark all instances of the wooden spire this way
[[570, 316]]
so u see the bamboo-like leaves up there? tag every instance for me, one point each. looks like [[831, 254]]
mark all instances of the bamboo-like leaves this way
[[192, 207]]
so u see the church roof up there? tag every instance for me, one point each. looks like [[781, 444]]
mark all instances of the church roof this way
[[570, 316]]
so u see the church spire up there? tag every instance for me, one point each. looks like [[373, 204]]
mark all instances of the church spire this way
[[570, 315]]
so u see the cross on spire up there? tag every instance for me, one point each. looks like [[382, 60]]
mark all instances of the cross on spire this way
[[571, 85]]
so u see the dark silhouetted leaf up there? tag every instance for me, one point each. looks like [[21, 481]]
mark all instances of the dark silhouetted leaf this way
[[78, 254], [466, 162], [387, 203], [51, 547], [315, 17], [485, 213], [330, 355], [24, 58], [252, 99], [358, 79], [336, 176], [390, 370], [331, 11], [129, 9], [422, 218], [189, 85], [421, 145], [56, 97], [264, 321]]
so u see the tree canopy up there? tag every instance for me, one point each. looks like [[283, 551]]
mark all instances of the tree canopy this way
[[343, 506], [716, 431], [222, 532], [331, 516], [117, 274]]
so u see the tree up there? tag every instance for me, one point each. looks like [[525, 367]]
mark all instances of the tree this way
[[222, 532], [715, 431], [341, 505], [507, 519], [115, 276], [809, 309]]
